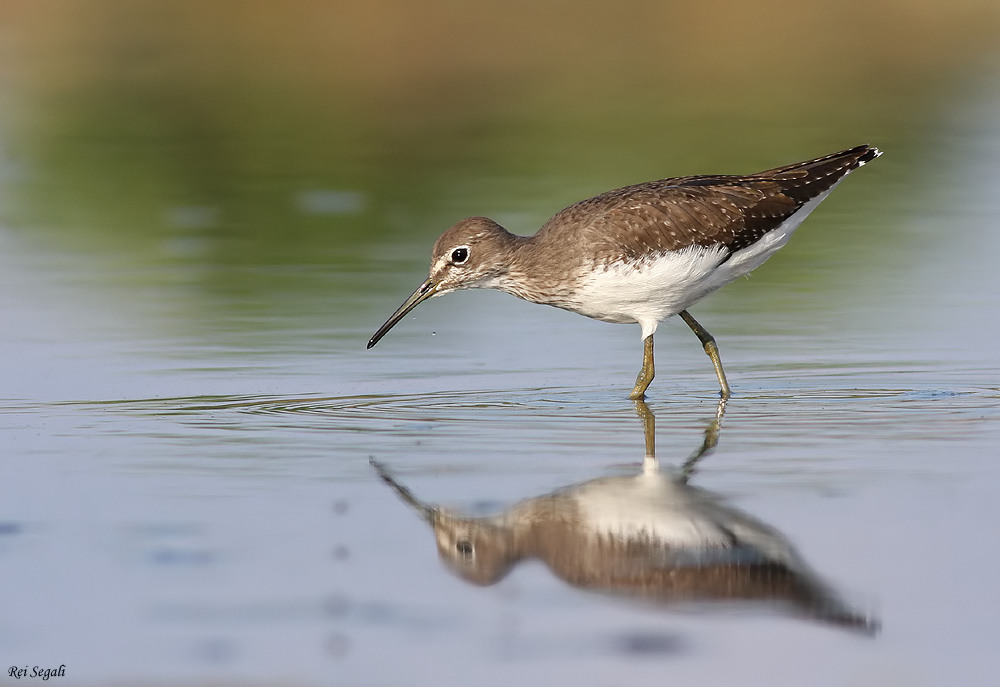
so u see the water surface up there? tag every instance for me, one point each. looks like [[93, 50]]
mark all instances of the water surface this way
[[194, 250]]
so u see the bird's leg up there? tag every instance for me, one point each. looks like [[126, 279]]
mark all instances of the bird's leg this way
[[646, 373], [708, 341], [708, 445], [648, 430]]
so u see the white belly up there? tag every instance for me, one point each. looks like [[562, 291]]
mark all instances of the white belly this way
[[653, 507], [649, 291]]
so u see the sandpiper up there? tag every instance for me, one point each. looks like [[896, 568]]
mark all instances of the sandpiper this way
[[642, 253], [650, 535]]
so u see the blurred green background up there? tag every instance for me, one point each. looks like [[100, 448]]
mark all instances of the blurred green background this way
[[213, 145]]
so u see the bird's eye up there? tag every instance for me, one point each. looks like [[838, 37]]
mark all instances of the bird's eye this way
[[464, 547], [460, 255]]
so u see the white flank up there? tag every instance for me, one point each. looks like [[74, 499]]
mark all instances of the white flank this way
[[655, 508], [652, 507], [651, 290]]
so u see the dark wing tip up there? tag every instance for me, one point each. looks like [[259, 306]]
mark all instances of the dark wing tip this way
[[869, 154]]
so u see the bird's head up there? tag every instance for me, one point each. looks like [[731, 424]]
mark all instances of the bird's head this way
[[472, 254]]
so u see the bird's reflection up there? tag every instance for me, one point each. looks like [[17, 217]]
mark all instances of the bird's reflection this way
[[650, 535]]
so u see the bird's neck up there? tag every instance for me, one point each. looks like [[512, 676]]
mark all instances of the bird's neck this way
[[536, 272]]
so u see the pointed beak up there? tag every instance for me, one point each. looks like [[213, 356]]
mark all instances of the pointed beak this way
[[425, 291], [428, 513]]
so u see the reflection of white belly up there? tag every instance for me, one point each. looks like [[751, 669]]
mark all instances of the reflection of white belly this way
[[651, 507], [656, 509], [649, 291]]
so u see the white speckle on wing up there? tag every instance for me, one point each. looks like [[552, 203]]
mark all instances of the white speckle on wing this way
[[878, 153]]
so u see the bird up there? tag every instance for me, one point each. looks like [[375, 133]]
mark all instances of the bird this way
[[648, 536], [642, 253]]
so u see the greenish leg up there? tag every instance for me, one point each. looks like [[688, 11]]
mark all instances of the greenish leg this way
[[646, 373], [708, 341], [708, 445], [648, 428]]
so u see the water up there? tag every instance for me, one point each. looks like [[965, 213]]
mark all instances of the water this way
[[198, 238]]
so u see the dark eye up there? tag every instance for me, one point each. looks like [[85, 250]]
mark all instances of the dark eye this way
[[460, 255], [464, 548]]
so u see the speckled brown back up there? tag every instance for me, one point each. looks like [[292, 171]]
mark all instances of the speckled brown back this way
[[670, 214]]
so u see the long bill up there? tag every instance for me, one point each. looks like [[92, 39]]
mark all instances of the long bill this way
[[428, 513], [425, 291]]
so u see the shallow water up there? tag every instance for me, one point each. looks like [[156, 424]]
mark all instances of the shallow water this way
[[188, 414], [238, 535]]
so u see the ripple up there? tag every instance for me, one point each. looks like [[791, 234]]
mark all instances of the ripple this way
[[598, 406], [451, 405], [821, 426]]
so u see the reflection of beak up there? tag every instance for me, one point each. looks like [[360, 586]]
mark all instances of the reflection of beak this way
[[428, 513], [426, 290]]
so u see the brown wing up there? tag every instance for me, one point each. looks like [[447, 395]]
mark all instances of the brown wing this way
[[731, 211]]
